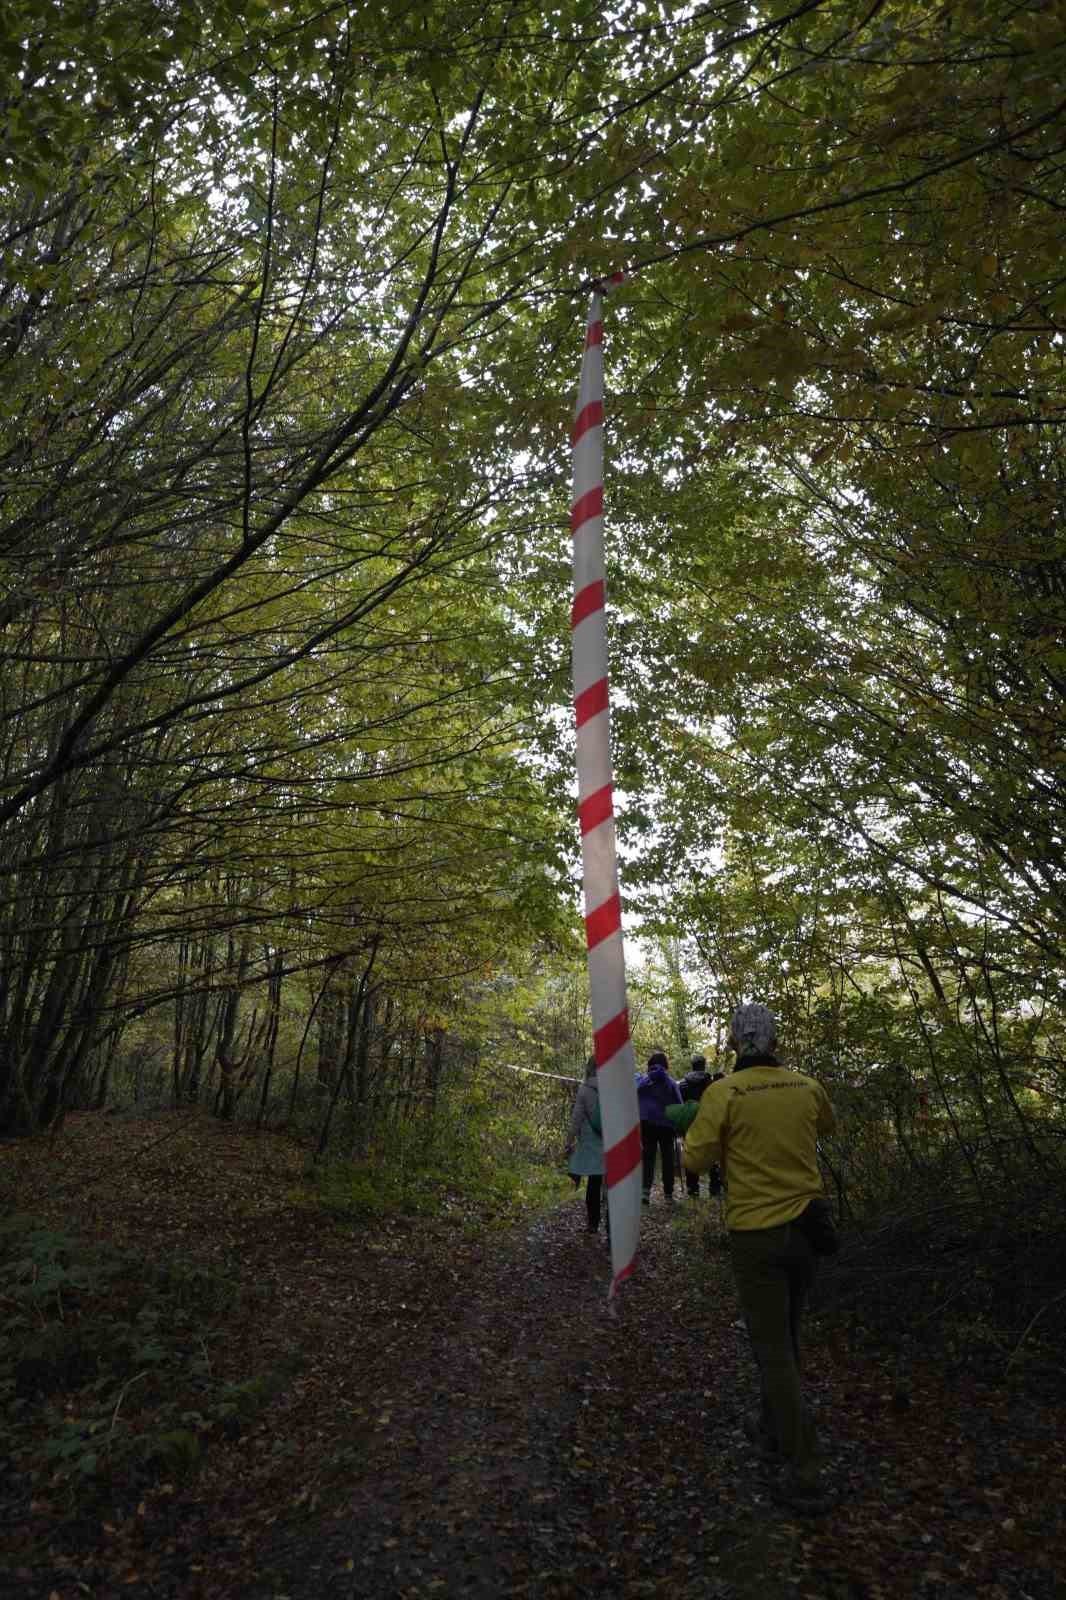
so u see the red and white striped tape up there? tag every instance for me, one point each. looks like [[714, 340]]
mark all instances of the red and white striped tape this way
[[599, 859]]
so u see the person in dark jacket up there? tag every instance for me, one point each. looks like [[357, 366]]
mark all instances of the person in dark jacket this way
[[655, 1091], [692, 1086]]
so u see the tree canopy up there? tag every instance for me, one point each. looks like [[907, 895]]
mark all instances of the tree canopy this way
[[291, 303]]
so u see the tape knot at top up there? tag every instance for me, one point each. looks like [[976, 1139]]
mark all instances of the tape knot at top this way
[[606, 284]]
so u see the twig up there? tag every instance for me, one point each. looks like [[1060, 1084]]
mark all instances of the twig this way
[[121, 1396], [1033, 1320]]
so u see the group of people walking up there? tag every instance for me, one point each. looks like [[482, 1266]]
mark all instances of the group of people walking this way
[[756, 1135], [657, 1094]]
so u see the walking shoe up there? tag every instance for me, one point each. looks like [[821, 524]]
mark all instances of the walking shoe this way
[[758, 1434], [800, 1492]]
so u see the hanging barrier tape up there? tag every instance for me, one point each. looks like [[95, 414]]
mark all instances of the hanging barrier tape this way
[[599, 858]]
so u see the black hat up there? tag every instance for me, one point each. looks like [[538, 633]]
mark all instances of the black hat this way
[[699, 1063]]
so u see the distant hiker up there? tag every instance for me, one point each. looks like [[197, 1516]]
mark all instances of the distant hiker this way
[[692, 1087], [762, 1125], [585, 1147], [655, 1091]]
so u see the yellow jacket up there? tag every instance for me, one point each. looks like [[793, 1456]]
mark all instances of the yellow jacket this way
[[761, 1124]]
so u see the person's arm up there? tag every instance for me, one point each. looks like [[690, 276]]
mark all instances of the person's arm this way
[[577, 1117], [703, 1141]]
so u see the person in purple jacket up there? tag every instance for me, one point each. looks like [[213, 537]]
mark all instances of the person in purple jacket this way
[[655, 1091]]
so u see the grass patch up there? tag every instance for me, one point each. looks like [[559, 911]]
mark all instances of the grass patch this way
[[376, 1188], [459, 1168]]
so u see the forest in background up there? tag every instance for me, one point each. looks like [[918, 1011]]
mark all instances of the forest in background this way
[[291, 303]]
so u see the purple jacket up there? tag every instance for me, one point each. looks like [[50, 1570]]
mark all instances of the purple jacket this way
[[655, 1091]]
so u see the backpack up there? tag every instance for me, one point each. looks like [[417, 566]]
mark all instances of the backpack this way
[[820, 1228]]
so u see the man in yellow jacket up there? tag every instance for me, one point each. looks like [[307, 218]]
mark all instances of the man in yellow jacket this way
[[761, 1125]]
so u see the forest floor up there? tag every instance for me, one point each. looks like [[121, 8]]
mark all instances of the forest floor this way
[[442, 1410]]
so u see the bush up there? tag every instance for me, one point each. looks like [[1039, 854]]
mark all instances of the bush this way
[[957, 1247], [454, 1160]]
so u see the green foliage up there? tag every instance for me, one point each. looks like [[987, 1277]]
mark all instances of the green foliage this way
[[105, 1360], [465, 1162], [956, 1252], [291, 304], [311, 655], [43, 1270]]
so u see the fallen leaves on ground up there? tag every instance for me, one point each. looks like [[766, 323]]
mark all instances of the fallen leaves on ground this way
[[464, 1415]]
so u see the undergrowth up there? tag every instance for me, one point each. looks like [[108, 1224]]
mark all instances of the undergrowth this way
[[961, 1263], [116, 1365], [106, 1364], [960, 1260], [458, 1168], [374, 1188]]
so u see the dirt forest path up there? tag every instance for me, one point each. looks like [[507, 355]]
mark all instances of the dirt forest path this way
[[454, 1414], [523, 1443]]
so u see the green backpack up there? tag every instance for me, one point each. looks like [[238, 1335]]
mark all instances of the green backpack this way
[[681, 1118]]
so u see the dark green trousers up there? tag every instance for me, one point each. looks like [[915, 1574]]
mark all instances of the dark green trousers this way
[[774, 1269]]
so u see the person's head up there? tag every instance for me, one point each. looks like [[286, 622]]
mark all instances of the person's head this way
[[657, 1059], [753, 1030], [590, 1068], [699, 1063]]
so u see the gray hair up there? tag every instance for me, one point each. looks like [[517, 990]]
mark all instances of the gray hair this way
[[754, 1030]]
